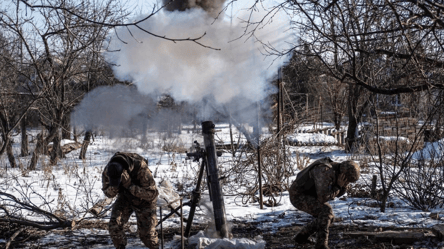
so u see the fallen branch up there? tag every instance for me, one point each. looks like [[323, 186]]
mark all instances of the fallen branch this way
[[12, 205], [8, 244]]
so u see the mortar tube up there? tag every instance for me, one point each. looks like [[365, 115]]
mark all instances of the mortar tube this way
[[213, 179]]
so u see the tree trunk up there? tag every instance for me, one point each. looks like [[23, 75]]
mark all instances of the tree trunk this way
[[24, 150], [337, 121], [66, 127], [56, 152], [10, 154], [85, 144], [352, 118], [74, 130], [351, 134], [384, 201], [37, 151]]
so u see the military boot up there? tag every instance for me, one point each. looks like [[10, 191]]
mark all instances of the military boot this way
[[323, 225], [301, 238], [304, 234], [322, 240]]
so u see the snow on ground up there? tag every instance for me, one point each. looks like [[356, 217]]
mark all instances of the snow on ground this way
[[73, 185], [431, 150], [308, 138]]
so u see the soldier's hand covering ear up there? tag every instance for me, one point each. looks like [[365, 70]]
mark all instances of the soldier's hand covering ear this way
[[111, 191], [342, 181], [125, 180]]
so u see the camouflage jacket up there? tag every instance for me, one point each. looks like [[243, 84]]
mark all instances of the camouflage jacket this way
[[325, 178], [142, 188], [321, 182]]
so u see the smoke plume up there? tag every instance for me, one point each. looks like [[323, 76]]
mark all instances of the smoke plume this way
[[113, 108], [190, 72], [234, 78]]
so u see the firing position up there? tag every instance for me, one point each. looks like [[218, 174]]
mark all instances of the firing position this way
[[127, 175], [318, 183]]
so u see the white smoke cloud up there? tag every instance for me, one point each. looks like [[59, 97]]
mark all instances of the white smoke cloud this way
[[231, 81], [190, 72], [111, 108]]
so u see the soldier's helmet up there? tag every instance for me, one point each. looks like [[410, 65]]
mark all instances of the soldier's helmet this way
[[114, 173], [351, 170]]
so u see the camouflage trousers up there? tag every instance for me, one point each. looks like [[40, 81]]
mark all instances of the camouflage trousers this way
[[322, 216], [146, 223]]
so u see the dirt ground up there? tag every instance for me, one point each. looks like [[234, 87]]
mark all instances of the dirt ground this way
[[345, 237], [340, 237], [354, 237]]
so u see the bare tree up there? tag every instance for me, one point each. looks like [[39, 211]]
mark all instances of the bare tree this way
[[60, 51], [306, 82], [12, 108], [389, 56], [108, 7], [378, 47]]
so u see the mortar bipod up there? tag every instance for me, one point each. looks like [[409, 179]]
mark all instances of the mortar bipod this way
[[196, 194]]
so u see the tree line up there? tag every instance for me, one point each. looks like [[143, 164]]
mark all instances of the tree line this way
[[51, 56], [369, 61]]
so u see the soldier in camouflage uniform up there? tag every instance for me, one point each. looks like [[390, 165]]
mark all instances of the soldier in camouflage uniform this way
[[127, 175], [320, 182]]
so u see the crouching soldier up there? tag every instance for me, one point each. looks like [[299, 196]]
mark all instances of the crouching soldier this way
[[127, 176], [318, 183]]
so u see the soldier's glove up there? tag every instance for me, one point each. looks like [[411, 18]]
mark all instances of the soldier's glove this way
[[111, 191], [125, 180]]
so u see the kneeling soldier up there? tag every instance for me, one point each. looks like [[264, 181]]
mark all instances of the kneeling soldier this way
[[127, 175], [318, 183]]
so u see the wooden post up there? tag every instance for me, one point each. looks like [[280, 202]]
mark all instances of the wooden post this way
[[233, 152], [74, 131], [24, 150], [182, 243], [282, 140], [320, 104], [282, 159], [373, 190], [280, 105], [258, 140], [278, 118], [261, 203], [161, 229]]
